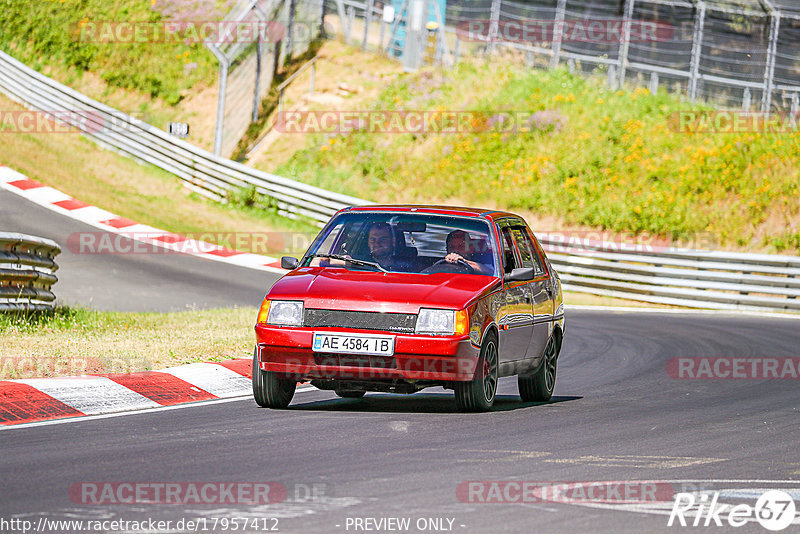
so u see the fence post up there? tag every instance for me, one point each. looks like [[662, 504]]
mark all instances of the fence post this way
[[746, 99], [259, 61], [769, 71], [494, 23], [382, 27], [223, 82], [351, 18], [653, 82], [367, 22], [342, 19], [324, 12], [415, 33], [626, 39], [612, 77], [795, 104], [697, 48], [558, 31], [290, 30]]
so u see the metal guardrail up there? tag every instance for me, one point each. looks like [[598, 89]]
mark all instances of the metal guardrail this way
[[201, 171], [27, 272], [691, 278]]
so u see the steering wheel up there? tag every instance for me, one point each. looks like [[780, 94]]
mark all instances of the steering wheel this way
[[461, 266]]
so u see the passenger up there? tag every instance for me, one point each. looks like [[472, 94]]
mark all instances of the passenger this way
[[461, 247], [381, 243]]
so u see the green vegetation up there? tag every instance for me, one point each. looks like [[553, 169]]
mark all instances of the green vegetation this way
[[75, 341], [591, 156], [48, 33]]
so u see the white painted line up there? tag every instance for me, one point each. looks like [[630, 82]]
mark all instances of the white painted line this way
[[216, 379], [80, 419], [771, 315], [91, 394]]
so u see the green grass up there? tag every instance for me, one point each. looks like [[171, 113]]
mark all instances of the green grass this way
[[75, 341], [594, 157], [43, 34]]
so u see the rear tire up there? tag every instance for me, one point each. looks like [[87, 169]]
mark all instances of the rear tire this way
[[539, 386], [349, 393], [478, 395], [269, 390]]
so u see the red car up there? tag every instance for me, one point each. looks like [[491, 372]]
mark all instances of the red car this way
[[400, 298]]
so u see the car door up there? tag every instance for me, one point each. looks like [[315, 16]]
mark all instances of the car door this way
[[515, 313], [539, 288]]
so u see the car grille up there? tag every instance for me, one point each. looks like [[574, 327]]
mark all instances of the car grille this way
[[386, 322], [355, 360]]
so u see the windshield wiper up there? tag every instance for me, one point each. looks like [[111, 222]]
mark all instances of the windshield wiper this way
[[351, 260]]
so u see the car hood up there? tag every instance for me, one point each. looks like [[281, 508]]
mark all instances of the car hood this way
[[340, 289]]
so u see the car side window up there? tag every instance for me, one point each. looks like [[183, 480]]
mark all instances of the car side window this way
[[538, 260], [509, 260], [527, 250]]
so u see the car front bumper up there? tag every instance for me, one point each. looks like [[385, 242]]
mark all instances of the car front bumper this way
[[287, 350]]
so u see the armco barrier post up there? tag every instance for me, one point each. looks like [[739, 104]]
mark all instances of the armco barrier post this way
[[697, 49]]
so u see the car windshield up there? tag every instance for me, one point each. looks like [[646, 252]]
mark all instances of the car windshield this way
[[385, 241]]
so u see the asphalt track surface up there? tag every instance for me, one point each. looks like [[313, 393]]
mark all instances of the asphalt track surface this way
[[133, 282], [616, 416]]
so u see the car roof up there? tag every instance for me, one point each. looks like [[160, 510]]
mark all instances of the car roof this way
[[438, 210]]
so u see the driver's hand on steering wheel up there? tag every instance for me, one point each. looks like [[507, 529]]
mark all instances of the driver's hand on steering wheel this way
[[453, 257]]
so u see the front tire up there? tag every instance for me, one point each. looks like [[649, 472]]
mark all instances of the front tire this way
[[269, 390], [478, 395], [539, 386]]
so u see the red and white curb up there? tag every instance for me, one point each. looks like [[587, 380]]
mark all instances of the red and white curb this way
[[41, 399], [65, 205]]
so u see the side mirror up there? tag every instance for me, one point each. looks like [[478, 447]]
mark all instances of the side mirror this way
[[520, 274], [290, 263]]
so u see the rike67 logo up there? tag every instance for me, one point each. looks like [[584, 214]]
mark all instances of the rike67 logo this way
[[774, 510]]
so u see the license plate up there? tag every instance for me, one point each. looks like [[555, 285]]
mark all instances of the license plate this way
[[353, 344]]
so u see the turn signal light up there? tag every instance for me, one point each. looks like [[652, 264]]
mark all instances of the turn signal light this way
[[263, 312], [462, 323]]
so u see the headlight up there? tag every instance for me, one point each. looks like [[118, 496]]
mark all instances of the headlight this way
[[431, 321], [286, 313]]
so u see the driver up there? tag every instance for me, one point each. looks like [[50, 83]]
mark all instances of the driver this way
[[460, 248]]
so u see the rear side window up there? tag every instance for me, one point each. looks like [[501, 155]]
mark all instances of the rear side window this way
[[527, 250], [509, 258]]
